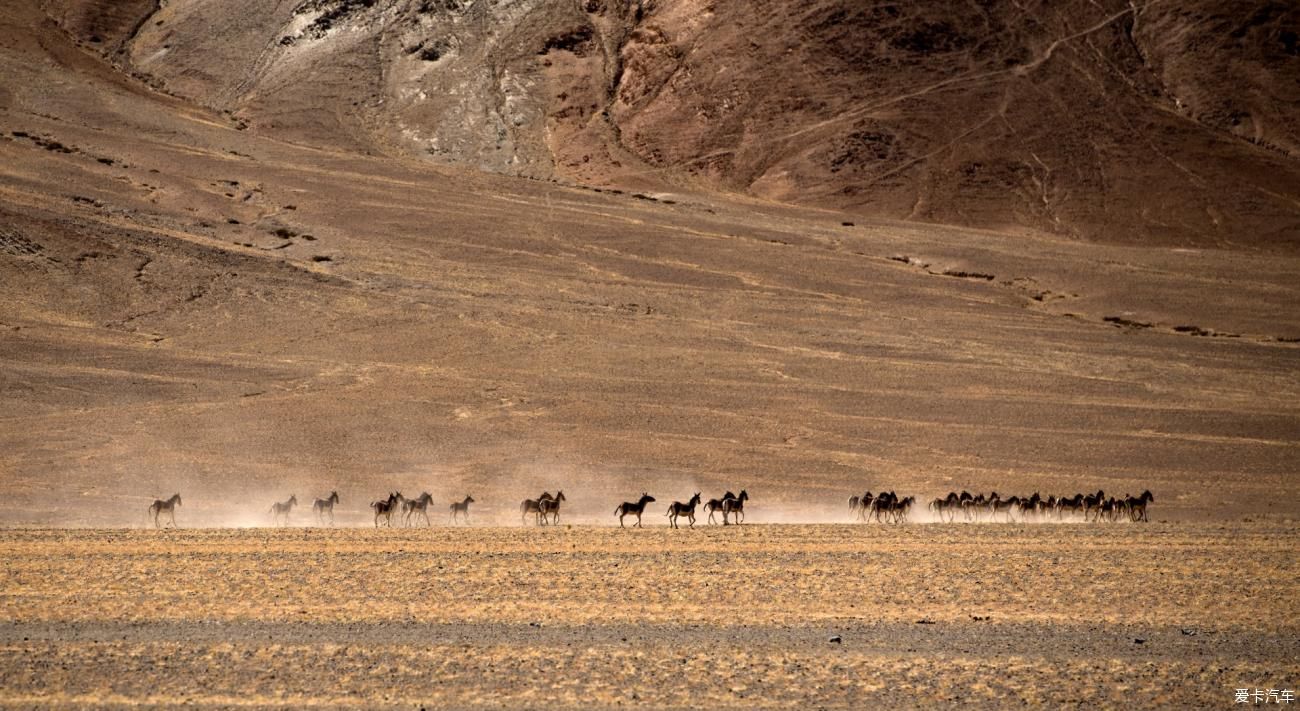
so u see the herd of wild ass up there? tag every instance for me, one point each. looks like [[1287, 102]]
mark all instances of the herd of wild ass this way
[[884, 507], [544, 510], [887, 507], [411, 509]]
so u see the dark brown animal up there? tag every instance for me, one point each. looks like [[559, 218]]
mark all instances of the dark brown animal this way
[[629, 508]]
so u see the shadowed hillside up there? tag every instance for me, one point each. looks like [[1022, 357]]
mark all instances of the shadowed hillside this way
[[1155, 123]]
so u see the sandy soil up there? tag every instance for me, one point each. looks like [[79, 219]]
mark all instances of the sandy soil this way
[[597, 617]]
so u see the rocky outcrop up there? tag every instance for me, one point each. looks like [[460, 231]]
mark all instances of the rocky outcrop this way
[[1157, 123]]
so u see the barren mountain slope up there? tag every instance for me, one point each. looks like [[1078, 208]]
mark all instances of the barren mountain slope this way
[[1158, 123], [187, 306], [1048, 115]]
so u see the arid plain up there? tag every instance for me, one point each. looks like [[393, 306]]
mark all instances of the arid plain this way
[[985, 615], [191, 305]]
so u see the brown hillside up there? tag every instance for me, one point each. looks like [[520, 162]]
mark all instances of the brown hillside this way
[[1154, 123], [299, 304]]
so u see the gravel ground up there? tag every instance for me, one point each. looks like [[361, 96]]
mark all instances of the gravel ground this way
[[776, 616]]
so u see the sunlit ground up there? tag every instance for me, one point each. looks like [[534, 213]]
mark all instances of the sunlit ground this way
[[736, 616]]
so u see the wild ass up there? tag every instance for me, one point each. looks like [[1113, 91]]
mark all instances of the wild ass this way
[[715, 505], [461, 508], [159, 507], [687, 509], [533, 506], [735, 507], [548, 510], [324, 506], [279, 509], [628, 508], [385, 508], [418, 505]]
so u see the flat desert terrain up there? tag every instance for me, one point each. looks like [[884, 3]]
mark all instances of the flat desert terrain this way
[[594, 617]]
